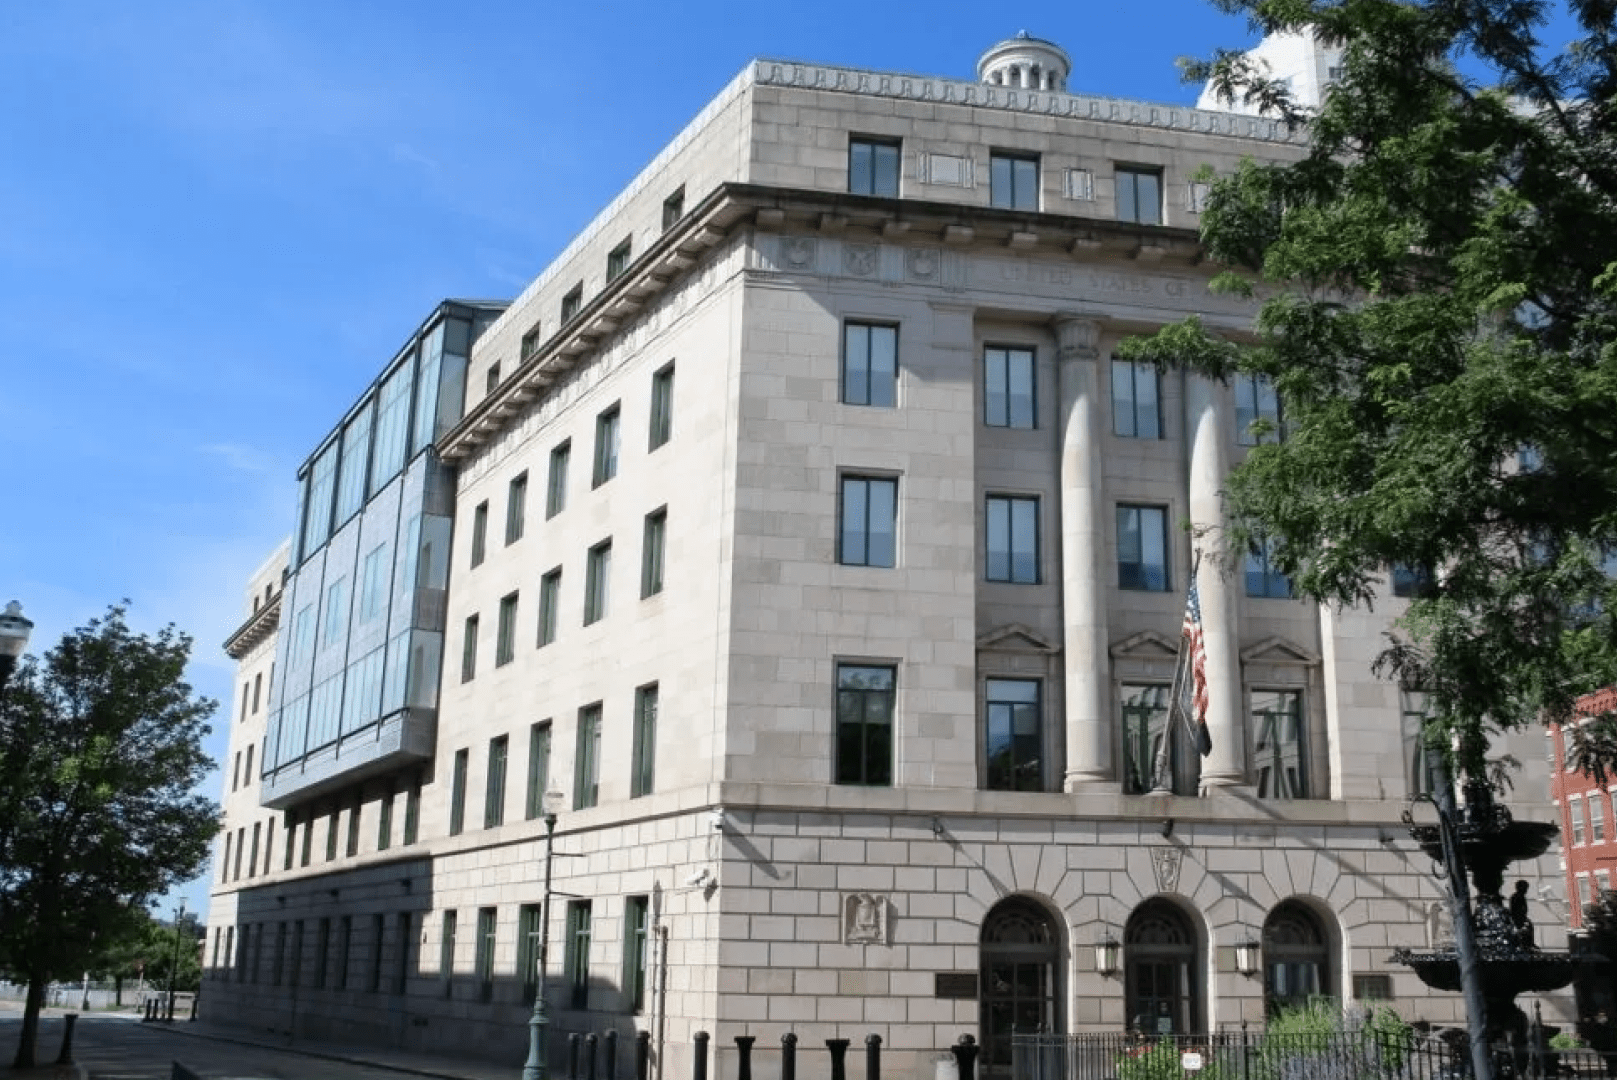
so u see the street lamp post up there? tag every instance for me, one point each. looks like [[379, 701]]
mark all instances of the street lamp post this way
[[174, 963], [14, 628], [537, 1067]]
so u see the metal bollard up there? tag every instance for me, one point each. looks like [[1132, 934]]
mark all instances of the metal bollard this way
[[612, 1054], [592, 1043], [66, 1056], [744, 1048], [699, 1067], [839, 1053], [872, 1056], [196, 997], [965, 1056], [642, 1056], [788, 1056], [573, 1044]]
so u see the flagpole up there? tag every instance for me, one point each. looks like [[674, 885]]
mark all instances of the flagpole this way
[[1160, 781]]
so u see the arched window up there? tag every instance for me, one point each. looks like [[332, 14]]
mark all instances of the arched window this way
[[1021, 952], [1296, 957], [1161, 990]]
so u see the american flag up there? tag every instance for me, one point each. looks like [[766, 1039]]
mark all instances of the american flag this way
[[1196, 685]]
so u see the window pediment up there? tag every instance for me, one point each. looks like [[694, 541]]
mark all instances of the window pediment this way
[[1277, 650], [1015, 637], [1145, 645]]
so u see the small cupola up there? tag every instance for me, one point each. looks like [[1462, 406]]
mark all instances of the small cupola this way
[[1027, 63]]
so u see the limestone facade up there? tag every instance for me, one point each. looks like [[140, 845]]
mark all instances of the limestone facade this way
[[850, 681]]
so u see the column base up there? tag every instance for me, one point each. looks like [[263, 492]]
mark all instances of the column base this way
[[1086, 780]]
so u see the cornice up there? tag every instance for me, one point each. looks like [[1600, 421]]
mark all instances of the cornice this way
[[258, 627], [795, 210]]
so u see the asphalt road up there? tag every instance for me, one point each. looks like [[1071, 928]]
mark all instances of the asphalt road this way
[[115, 1048]]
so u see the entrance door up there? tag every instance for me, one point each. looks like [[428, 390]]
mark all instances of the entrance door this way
[[1159, 971], [1020, 950]]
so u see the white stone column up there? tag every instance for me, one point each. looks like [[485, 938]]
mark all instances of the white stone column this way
[[1083, 556], [1208, 428]]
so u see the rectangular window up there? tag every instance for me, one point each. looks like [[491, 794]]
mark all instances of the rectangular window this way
[[549, 600], [1136, 402], [241, 852], [491, 378], [644, 759], [1015, 735], [617, 260], [345, 941], [1411, 581], [446, 954], [530, 344], [468, 650], [1574, 809], [636, 932], [538, 769], [331, 833], [373, 586], [356, 452], [1278, 746], [572, 302], [479, 532], [1145, 726], [530, 930], [308, 842], [556, 487], [278, 965], [873, 166], [224, 864], [352, 847], [406, 939], [1013, 181], [1418, 761], [457, 793], [336, 612], [384, 821], [269, 843], [485, 953], [1372, 987], [1139, 195], [674, 208], [662, 406], [651, 553], [1262, 579], [606, 446], [865, 698], [373, 980], [1013, 539], [505, 640], [1008, 392], [1142, 548], [868, 535], [1257, 410], [577, 960], [587, 766], [516, 508], [247, 773], [597, 581], [494, 795], [322, 951], [412, 813], [258, 685], [235, 772], [1597, 818], [870, 365]]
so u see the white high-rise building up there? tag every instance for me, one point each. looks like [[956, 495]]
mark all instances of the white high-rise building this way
[[809, 541]]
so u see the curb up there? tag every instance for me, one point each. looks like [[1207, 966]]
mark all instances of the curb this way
[[345, 1059]]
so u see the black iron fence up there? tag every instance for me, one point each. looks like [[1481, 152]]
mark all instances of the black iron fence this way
[[1255, 1055]]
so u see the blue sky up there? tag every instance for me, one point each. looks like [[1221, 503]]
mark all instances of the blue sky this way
[[219, 219]]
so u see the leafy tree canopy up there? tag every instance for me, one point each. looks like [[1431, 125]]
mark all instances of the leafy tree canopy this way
[[1441, 324], [100, 750]]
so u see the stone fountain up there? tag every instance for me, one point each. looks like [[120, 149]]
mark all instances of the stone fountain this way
[[1490, 840]]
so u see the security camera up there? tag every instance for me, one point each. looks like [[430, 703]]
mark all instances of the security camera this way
[[698, 878]]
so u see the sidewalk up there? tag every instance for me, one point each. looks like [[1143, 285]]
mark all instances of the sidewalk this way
[[403, 1061]]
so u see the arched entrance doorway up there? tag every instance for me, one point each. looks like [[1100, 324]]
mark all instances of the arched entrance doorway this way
[[1161, 990], [1020, 955], [1296, 957]]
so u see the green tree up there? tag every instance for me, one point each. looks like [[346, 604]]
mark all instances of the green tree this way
[[100, 748], [1440, 322]]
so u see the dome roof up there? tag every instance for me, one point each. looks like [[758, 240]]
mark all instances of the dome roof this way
[[1027, 62]]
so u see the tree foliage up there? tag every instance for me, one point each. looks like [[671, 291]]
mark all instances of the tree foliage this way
[[100, 749], [1440, 270]]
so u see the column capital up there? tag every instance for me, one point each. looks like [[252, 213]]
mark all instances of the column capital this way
[[1077, 336]]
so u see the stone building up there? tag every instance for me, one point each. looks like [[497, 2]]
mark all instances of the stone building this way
[[809, 541]]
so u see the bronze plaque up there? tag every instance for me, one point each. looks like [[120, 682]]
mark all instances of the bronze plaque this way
[[961, 985]]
